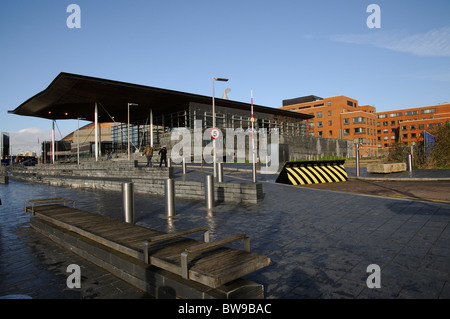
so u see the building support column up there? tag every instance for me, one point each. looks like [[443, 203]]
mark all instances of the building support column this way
[[96, 131], [151, 127], [53, 142]]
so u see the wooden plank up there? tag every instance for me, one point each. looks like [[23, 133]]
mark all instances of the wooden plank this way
[[209, 263]]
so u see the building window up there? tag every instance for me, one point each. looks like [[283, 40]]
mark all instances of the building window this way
[[392, 137], [421, 126], [412, 127], [428, 111], [320, 134], [359, 130], [378, 131], [386, 138], [412, 113], [358, 120], [385, 123], [349, 103], [392, 122], [404, 128], [346, 121], [329, 113], [404, 136], [319, 114], [311, 125], [393, 130], [381, 116], [347, 131], [378, 124], [330, 123], [429, 125], [395, 114], [413, 135], [330, 133], [329, 103]]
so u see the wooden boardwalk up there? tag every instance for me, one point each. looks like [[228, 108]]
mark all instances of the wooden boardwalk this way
[[210, 264]]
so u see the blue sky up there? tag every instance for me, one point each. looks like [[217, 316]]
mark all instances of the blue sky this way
[[279, 49]]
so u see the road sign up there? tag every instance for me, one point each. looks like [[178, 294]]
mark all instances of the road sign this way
[[215, 133]]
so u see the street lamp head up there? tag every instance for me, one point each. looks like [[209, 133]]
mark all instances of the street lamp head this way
[[221, 79], [133, 104]]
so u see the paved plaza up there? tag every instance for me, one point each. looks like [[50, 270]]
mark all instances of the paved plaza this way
[[320, 241]]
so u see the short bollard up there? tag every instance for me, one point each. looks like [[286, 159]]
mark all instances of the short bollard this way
[[220, 172], [128, 202], [209, 191], [170, 197], [409, 162], [184, 166]]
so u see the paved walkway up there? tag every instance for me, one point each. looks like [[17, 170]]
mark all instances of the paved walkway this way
[[320, 242]]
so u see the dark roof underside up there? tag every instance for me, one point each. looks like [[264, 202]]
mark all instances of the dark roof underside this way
[[72, 96]]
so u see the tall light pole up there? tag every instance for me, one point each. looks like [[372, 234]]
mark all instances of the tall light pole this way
[[214, 120], [128, 129]]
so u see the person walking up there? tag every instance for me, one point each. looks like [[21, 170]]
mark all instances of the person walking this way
[[149, 153], [163, 153]]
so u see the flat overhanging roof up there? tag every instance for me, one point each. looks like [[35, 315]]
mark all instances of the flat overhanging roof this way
[[72, 96]]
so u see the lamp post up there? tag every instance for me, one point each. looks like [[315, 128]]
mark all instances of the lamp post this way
[[128, 129], [214, 120]]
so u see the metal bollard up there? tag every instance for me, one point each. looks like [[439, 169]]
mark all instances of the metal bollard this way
[[128, 202], [184, 166], [169, 188], [357, 159], [409, 162], [220, 172], [209, 191]]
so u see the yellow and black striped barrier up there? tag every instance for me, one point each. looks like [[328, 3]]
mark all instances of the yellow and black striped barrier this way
[[312, 172]]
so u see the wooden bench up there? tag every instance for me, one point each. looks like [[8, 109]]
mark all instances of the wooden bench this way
[[209, 263]]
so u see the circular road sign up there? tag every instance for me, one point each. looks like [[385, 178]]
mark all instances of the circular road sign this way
[[215, 133]]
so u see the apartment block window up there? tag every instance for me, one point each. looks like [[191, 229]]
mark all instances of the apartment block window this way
[[378, 131], [359, 130], [358, 120], [404, 128], [395, 114], [347, 131], [429, 125], [428, 111], [329, 103], [385, 123], [392, 122], [381, 116], [392, 137], [413, 135], [330, 123], [378, 124], [329, 113], [320, 134], [393, 130], [412, 113], [385, 131], [421, 126], [346, 121], [386, 138], [412, 127], [319, 114], [311, 125], [379, 138], [404, 136], [349, 103], [330, 133], [319, 124]]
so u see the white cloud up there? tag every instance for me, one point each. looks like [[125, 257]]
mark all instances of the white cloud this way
[[435, 42], [30, 139]]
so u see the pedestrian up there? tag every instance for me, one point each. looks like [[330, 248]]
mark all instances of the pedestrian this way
[[163, 153], [149, 153]]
